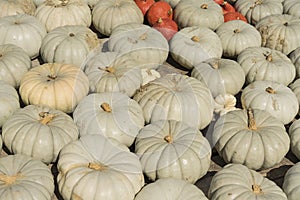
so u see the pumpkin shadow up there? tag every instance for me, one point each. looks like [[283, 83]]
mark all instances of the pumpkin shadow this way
[[204, 183], [54, 171]]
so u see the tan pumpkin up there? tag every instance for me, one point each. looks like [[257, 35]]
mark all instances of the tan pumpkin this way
[[60, 86], [9, 7]]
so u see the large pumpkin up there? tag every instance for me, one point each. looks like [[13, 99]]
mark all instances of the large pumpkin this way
[[94, 167], [262, 63], [107, 15], [14, 63], [60, 86], [177, 97], [236, 181], [276, 98], [250, 137], [15, 7], [291, 184], [39, 132], [22, 177], [113, 115], [169, 148], [22, 30]]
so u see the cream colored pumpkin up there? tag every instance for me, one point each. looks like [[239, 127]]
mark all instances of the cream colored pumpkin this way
[[291, 184], [295, 87], [294, 133], [113, 115], [69, 44], [39, 132], [14, 63], [192, 45], [280, 32], [291, 7], [142, 43], [222, 76], [60, 86], [170, 188], [14, 7], [276, 98], [250, 137], [236, 35], [295, 58], [22, 177], [236, 181], [205, 13], [94, 167], [262, 63], [172, 149], [22, 30], [109, 14], [55, 13], [9, 101], [176, 97], [255, 10]]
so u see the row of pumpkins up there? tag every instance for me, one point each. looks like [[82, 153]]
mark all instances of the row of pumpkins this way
[[118, 129]]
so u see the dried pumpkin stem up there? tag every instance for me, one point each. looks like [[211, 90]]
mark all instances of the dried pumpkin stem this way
[[204, 6], [46, 117], [215, 65], [168, 138], [236, 30], [106, 107], [195, 38], [110, 69], [8, 180], [270, 90], [96, 166], [269, 57], [256, 189], [143, 36], [251, 120]]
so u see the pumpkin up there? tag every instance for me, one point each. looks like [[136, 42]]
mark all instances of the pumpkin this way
[[22, 30], [250, 137], [176, 97], [276, 98], [144, 5], [167, 27], [236, 36], [107, 72], [205, 13], [291, 7], [222, 76], [142, 43], [159, 9], [55, 13], [14, 63], [236, 181], [229, 16], [295, 87], [113, 115], [9, 102], [255, 10], [23, 177], [280, 32], [294, 56], [294, 136], [170, 188], [94, 167], [106, 15], [192, 45], [57, 85], [15, 7], [224, 104], [291, 182], [39, 132], [262, 63], [227, 7], [172, 149], [38, 2], [68, 44]]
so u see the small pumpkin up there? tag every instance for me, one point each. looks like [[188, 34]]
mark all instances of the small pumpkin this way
[[291, 184], [9, 101], [57, 85], [169, 148], [39, 132], [15, 7], [159, 9], [23, 177], [106, 168], [236, 181], [144, 5], [291, 7]]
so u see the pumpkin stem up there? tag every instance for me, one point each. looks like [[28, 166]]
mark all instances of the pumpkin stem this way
[[270, 90], [159, 20], [96, 166], [251, 120], [8, 180], [168, 139], [46, 117], [110, 69], [256, 189], [236, 30], [204, 6], [52, 75], [106, 107], [269, 57], [195, 38], [143, 36], [170, 12], [215, 65]]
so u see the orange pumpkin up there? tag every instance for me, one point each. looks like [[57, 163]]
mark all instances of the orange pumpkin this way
[[160, 9], [227, 7], [167, 27], [144, 5], [234, 16]]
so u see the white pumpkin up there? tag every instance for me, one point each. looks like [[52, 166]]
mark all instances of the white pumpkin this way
[[142, 43], [55, 13], [291, 7], [113, 115], [94, 167], [295, 58], [192, 45], [172, 149], [109, 14], [22, 177], [39, 132], [295, 87], [222, 76], [276, 98], [291, 184], [176, 97], [9, 7], [14, 63], [224, 104], [22, 30], [262, 63], [294, 133], [9, 101]]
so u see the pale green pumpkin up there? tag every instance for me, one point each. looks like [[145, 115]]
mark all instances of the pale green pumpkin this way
[[291, 184]]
